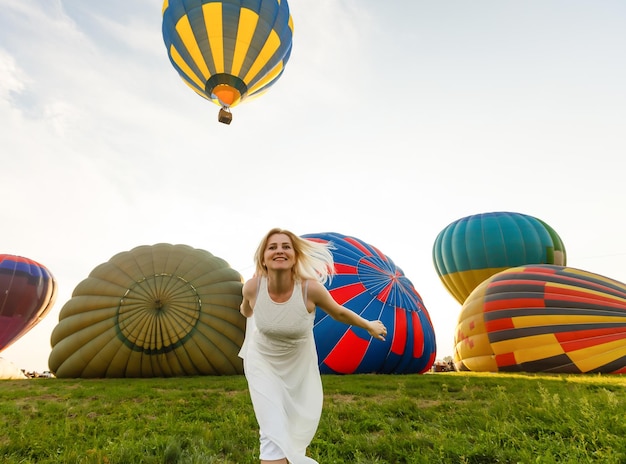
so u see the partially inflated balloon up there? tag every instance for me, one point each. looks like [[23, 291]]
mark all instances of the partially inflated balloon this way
[[473, 248], [154, 311], [228, 50], [27, 293], [544, 318], [370, 284]]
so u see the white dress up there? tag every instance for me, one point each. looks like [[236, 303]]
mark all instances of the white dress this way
[[280, 364]]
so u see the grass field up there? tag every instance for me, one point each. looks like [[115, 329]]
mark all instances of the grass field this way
[[431, 418]]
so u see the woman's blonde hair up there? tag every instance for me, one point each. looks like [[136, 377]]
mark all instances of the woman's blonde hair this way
[[314, 260]]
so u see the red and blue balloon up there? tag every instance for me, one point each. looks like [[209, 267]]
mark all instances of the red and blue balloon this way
[[370, 284]]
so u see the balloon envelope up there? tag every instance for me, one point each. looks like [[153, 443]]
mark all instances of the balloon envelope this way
[[544, 318], [229, 50], [370, 284], [473, 248], [27, 293], [154, 311]]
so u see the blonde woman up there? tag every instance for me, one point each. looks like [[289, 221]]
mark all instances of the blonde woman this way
[[280, 358]]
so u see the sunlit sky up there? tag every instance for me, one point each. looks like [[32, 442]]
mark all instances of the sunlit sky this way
[[392, 119]]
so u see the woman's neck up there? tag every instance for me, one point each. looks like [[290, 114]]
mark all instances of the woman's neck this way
[[280, 286], [280, 281]]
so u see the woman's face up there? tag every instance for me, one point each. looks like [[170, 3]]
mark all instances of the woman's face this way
[[279, 253]]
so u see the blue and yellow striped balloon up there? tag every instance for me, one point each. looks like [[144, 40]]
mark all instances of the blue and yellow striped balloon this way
[[228, 50], [473, 248]]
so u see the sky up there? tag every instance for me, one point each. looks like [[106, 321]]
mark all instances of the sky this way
[[392, 120]]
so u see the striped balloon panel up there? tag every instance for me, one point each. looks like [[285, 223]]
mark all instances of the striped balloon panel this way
[[370, 284], [553, 319], [243, 43], [472, 349]]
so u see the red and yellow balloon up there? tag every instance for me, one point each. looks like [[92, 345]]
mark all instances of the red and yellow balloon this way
[[544, 318]]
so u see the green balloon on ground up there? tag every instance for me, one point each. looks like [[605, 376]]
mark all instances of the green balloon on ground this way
[[154, 311]]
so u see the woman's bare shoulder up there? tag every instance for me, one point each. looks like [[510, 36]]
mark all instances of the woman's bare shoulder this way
[[315, 288], [250, 286]]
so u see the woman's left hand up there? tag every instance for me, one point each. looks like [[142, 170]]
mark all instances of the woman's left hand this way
[[377, 330]]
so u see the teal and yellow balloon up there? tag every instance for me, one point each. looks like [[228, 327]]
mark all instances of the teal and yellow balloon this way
[[154, 311], [543, 318], [473, 248], [229, 50]]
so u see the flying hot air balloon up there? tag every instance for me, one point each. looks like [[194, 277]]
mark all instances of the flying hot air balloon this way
[[229, 50], [544, 318], [473, 248], [370, 284], [27, 293], [154, 311]]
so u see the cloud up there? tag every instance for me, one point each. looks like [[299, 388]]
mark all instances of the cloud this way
[[11, 77]]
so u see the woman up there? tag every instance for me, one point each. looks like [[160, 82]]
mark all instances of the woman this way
[[280, 358]]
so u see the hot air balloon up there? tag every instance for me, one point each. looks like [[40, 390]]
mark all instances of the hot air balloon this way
[[228, 50], [27, 293], [370, 284], [154, 311], [473, 248], [544, 318]]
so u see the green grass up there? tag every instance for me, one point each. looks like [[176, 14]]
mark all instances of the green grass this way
[[432, 418]]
